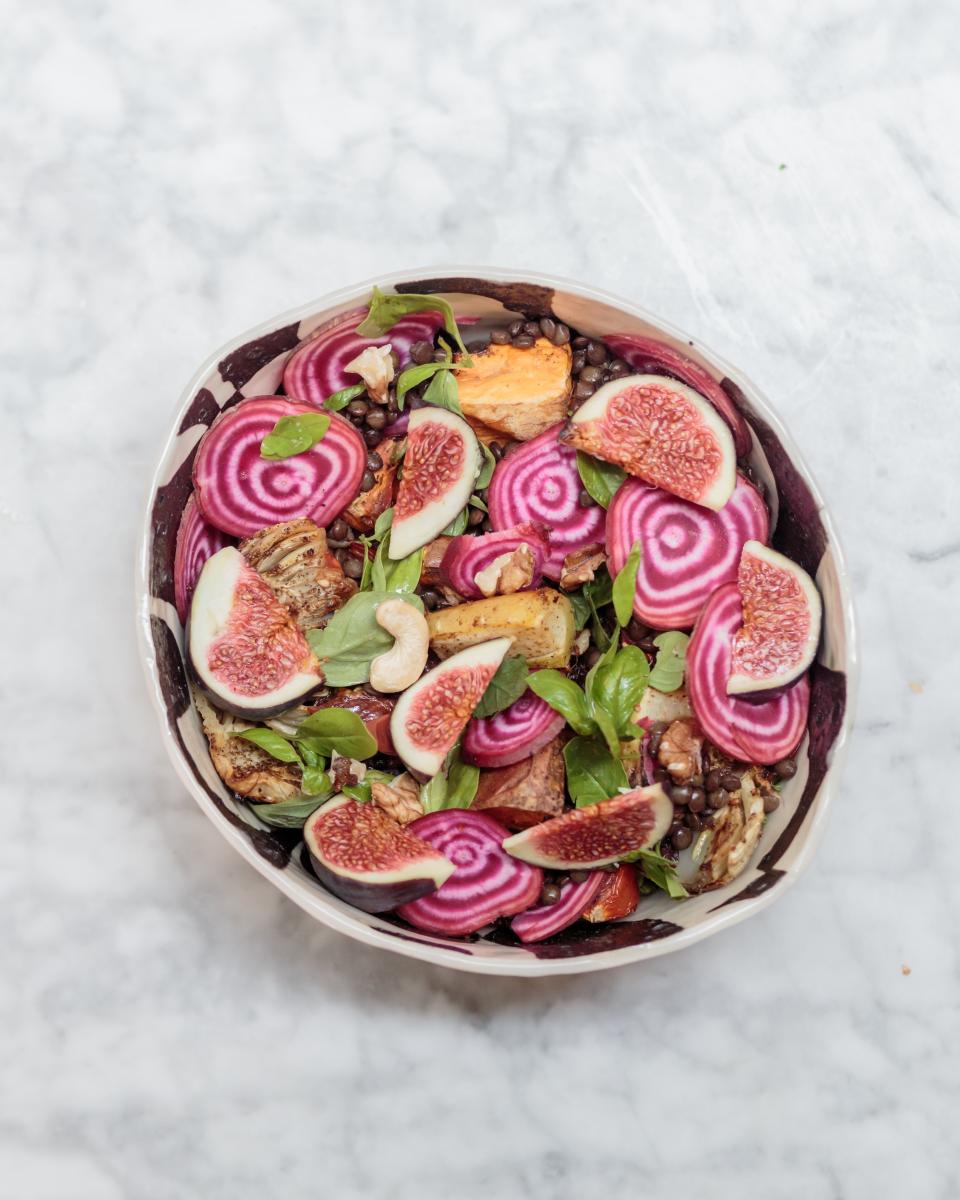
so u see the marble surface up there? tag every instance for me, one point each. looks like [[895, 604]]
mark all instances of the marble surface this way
[[782, 182]]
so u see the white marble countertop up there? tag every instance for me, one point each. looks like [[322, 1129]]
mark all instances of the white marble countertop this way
[[784, 184]]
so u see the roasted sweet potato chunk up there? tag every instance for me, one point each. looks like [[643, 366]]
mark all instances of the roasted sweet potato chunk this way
[[519, 393], [527, 792]]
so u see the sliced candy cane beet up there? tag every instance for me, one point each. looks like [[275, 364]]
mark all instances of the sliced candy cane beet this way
[[688, 551], [512, 735], [316, 369], [781, 622], [547, 919], [241, 493], [486, 884], [467, 556], [538, 482], [765, 732], [661, 431], [196, 542], [441, 466], [649, 357]]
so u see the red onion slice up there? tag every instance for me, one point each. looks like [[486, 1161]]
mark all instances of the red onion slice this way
[[688, 551], [547, 919], [316, 369], [487, 882], [466, 556], [241, 493], [538, 482], [763, 732], [647, 356], [196, 542], [512, 735]]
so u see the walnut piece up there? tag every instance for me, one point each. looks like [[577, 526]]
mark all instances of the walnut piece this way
[[680, 749], [507, 573], [399, 799], [375, 367], [581, 566]]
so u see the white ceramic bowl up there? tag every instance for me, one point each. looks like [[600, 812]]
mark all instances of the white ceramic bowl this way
[[252, 365]]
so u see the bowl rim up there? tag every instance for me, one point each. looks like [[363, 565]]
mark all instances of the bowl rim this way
[[313, 901]]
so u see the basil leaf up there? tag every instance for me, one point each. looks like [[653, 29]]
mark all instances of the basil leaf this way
[[486, 471], [606, 657], [597, 593], [288, 814], [476, 502], [387, 309], [383, 523], [339, 729], [593, 773], [457, 525], [625, 585], [275, 744], [661, 872], [604, 722], [395, 574], [442, 392], [581, 608], [351, 639], [668, 670], [294, 435], [415, 375], [433, 793], [341, 399], [507, 685], [361, 791], [601, 479], [462, 783], [563, 695], [619, 686], [315, 782]]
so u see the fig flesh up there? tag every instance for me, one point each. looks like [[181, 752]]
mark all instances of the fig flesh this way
[[764, 732], [441, 466], [368, 859], [245, 649], [597, 834], [661, 431], [781, 622], [431, 714]]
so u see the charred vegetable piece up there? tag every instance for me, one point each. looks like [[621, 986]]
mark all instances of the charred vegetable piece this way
[[517, 392], [541, 624], [617, 898], [243, 766], [525, 793], [368, 859], [486, 884], [293, 559], [362, 512], [244, 647], [662, 432]]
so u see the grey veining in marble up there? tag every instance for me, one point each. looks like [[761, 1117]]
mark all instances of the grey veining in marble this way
[[780, 180]]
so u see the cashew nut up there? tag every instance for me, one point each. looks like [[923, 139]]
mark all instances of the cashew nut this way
[[403, 663]]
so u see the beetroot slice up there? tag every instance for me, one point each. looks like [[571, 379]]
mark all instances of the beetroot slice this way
[[648, 356], [241, 493], [196, 542], [510, 736], [547, 919], [316, 369], [466, 556], [763, 732], [688, 550], [538, 482], [487, 883]]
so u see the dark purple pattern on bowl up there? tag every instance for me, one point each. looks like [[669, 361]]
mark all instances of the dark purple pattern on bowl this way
[[240, 365]]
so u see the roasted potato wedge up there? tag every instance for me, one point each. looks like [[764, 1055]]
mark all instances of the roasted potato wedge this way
[[540, 622], [520, 393]]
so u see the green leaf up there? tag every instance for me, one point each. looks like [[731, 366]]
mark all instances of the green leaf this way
[[487, 470], [476, 502], [288, 814], [362, 791], [507, 685], [457, 525], [601, 479], [593, 773], [602, 661], [581, 608], [433, 793], [337, 729], [351, 639], [386, 309], [411, 377], [396, 575], [597, 593], [625, 585], [383, 523], [661, 872], [670, 664], [315, 782], [442, 392], [604, 722], [342, 398], [294, 435], [462, 783], [563, 695], [275, 744], [619, 686]]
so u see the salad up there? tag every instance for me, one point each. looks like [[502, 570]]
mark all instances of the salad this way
[[487, 619]]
